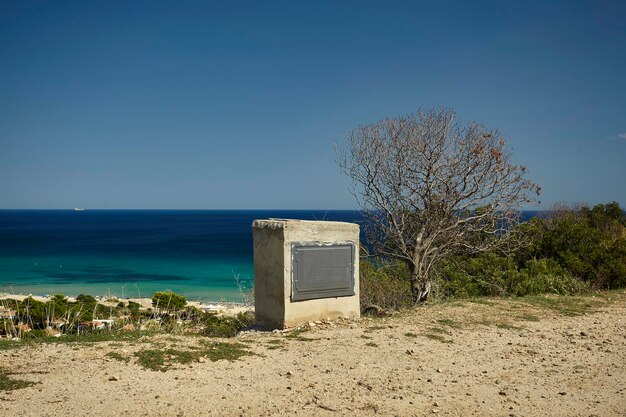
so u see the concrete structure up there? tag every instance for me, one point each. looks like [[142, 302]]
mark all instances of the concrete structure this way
[[278, 273]]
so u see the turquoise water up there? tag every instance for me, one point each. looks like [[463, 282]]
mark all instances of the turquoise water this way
[[133, 253], [212, 279]]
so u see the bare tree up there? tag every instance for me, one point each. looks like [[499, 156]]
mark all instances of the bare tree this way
[[430, 186]]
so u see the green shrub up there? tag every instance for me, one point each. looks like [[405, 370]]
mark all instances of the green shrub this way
[[168, 301], [546, 276], [33, 312], [484, 275], [590, 243], [133, 306], [216, 326], [385, 285], [85, 299], [570, 251], [493, 275]]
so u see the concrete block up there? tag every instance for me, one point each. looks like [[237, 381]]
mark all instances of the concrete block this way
[[274, 240]]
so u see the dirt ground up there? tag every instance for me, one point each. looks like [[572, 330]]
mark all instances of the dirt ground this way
[[531, 357]]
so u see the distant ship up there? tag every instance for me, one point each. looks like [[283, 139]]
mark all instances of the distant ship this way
[[79, 209]]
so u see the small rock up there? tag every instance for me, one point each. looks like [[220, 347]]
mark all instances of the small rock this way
[[435, 404], [113, 378], [439, 370], [583, 334], [503, 393]]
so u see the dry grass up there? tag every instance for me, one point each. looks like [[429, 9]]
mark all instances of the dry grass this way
[[10, 384], [165, 359]]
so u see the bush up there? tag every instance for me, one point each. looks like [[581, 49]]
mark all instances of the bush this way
[[385, 285], [134, 307], [85, 299], [484, 275], [590, 243], [546, 276], [215, 326], [493, 275], [168, 301], [570, 251]]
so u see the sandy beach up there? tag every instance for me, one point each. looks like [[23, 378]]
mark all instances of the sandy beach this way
[[488, 357]]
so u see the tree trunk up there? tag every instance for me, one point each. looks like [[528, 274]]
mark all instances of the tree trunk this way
[[420, 285]]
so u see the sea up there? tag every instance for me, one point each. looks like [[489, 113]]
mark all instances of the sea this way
[[203, 254]]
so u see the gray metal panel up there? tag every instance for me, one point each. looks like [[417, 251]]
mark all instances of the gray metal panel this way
[[322, 271]]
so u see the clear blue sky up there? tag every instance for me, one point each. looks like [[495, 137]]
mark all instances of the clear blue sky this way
[[180, 104]]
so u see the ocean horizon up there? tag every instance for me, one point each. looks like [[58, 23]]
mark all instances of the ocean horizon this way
[[202, 254]]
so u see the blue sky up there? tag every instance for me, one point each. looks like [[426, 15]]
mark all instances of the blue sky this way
[[146, 104]]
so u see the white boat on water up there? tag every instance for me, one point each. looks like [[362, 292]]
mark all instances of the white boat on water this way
[[79, 209]]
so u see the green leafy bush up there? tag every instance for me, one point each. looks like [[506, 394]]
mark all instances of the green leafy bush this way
[[541, 276], [168, 301], [385, 285], [570, 251], [493, 275], [85, 299], [217, 326], [590, 243], [484, 275]]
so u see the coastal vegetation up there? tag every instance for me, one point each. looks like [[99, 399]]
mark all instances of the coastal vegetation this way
[[168, 301], [441, 201], [87, 319], [567, 251]]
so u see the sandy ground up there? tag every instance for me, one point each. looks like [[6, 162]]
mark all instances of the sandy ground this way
[[500, 358]]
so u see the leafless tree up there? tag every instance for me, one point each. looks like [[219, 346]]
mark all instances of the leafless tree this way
[[431, 186]]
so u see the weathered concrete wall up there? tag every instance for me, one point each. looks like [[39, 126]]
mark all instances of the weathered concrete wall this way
[[268, 264], [273, 241]]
